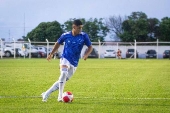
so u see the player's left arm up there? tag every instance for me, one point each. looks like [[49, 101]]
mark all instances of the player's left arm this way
[[89, 45], [89, 50]]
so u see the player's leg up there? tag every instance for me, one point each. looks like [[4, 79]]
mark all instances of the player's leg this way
[[64, 66], [62, 80], [66, 74], [53, 88], [58, 84], [71, 71], [47, 93]]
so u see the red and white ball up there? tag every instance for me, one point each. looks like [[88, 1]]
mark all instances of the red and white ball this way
[[67, 97]]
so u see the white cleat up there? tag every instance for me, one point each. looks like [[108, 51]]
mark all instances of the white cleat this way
[[59, 99], [44, 97]]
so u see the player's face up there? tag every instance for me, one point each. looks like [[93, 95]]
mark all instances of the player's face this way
[[77, 29]]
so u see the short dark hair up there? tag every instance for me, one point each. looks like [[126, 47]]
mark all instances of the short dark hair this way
[[77, 22]]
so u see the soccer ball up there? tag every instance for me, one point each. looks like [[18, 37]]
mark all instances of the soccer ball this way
[[67, 97]]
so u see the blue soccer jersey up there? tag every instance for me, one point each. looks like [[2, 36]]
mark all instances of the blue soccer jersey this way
[[73, 46]]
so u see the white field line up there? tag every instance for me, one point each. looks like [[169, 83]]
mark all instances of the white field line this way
[[101, 98]]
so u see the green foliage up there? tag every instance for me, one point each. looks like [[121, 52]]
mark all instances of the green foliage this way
[[68, 25], [95, 28], [135, 27], [153, 26], [109, 86], [165, 29], [139, 27], [45, 30]]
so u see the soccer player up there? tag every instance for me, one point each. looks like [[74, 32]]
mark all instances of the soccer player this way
[[74, 42]]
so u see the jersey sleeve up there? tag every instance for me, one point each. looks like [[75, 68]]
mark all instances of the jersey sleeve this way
[[87, 40], [61, 39]]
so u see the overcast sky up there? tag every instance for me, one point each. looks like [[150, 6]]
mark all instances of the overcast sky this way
[[36, 11]]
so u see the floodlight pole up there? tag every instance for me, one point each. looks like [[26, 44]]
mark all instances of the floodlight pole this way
[[14, 47], [47, 46], [29, 48]]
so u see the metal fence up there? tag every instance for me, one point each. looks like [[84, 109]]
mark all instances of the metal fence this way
[[101, 47]]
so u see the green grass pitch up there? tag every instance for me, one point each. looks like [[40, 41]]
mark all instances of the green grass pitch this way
[[98, 86]]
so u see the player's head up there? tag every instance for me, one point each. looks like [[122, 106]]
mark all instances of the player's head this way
[[77, 26]]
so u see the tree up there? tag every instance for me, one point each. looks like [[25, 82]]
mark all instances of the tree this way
[[165, 29], [67, 26], [114, 24], [45, 30], [153, 26], [135, 27], [95, 28]]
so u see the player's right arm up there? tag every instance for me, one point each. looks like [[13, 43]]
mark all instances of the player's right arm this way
[[55, 49]]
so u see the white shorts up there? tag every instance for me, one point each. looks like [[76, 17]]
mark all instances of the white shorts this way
[[71, 68]]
